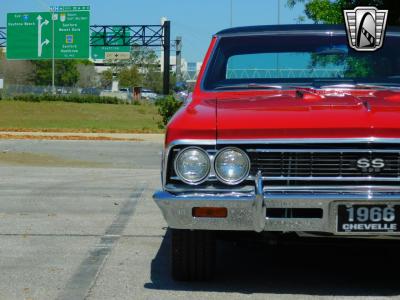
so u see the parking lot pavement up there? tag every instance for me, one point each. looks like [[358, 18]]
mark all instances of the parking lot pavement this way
[[77, 222]]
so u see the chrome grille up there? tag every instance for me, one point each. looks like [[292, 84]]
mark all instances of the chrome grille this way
[[324, 164], [294, 166]]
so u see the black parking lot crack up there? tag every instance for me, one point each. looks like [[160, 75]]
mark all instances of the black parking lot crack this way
[[82, 281]]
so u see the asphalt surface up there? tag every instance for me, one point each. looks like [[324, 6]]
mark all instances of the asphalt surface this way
[[77, 222]]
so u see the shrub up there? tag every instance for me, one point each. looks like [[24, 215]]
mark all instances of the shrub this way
[[167, 107], [67, 98]]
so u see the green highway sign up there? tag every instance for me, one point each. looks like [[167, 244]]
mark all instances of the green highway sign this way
[[69, 8], [30, 35], [99, 52]]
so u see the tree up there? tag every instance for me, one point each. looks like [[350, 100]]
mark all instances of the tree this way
[[129, 77], [142, 70], [106, 78], [2, 62], [146, 60], [144, 57], [153, 80], [331, 11], [15, 71], [66, 72], [87, 76]]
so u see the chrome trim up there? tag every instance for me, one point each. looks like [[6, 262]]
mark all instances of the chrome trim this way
[[259, 208], [311, 189], [204, 178], [308, 141], [365, 237], [251, 178], [247, 211], [192, 142], [242, 178], [338, 150], [340, 178], [183, 191], [177, 210], [167, 150], [211, 179], [285, 33], [214, 190], [336, 188], [294, 32]]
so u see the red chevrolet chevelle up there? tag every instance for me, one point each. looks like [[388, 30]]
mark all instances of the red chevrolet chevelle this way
[[290, 132]]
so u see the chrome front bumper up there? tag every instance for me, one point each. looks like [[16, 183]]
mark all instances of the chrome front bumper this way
[[247, 212]]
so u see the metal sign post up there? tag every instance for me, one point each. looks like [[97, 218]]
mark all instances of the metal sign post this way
[[178, 52], [53, 63], [167, 54]]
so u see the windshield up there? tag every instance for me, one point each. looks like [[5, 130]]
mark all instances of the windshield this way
[[311, 60]]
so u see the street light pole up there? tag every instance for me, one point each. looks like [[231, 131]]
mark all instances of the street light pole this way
[[167, 54], [279, 12], [231, 13]]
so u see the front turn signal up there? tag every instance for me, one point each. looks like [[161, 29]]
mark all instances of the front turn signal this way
[[210, 212]]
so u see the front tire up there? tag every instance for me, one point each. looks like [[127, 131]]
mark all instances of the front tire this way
[[193, 255]]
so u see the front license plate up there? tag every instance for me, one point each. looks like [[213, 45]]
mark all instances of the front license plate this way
[[368, 218]]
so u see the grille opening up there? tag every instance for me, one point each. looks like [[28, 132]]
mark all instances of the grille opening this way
[[295, 213], [316, 164]]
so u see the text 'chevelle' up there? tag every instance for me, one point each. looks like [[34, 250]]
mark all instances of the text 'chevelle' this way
[[289, 132]]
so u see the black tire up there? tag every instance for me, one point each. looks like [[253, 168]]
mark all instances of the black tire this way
[[193, 255]]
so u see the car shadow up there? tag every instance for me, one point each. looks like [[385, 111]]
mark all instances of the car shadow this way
[[332, 269]]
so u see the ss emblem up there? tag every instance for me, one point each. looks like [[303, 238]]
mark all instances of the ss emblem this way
[[370, 165]]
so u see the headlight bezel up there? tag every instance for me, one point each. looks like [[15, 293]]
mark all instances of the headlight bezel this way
[[191, 182], [243, 177]]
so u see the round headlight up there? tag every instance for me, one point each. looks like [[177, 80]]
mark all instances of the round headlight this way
[[232, 165], [192, 165]]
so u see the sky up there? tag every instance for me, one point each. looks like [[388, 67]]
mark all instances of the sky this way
[[195, 20]]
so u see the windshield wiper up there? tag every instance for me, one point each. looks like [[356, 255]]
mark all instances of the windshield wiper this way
[[361, 86], [249, 86]]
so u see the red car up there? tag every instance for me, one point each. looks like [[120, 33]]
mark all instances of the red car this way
[[290, 132]]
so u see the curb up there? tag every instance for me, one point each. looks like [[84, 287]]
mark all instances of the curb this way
[[138, 137]]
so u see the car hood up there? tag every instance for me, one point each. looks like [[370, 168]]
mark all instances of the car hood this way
[[308, 115]]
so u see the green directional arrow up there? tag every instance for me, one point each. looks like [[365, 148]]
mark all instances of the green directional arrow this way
[[41, 43]]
